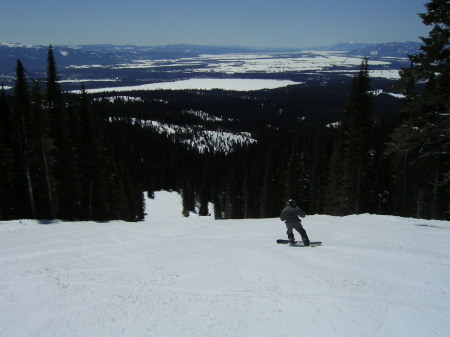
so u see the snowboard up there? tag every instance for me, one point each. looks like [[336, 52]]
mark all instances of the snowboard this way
[[300, 243]]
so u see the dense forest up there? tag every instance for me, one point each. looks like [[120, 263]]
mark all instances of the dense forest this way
[[55, 161], [90, 157]]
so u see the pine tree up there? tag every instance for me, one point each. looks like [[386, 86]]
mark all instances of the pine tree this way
[[292, 176], [203, 197], [234, 199], [203, 194], [135, 203], [333, 192], [251, 184], [20, 133], [320, 158], [297, 180], [188, 198], [43, 159], [6, 160], [350, 159], [420, 146], [270, 186], [67, 201], [107, 189], [89, 151]]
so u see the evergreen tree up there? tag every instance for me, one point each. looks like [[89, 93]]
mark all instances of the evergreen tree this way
[[134, 197], [251, 184], [379, 188], [217, 199], [188, 198], [43, 159], [351, 156], [203, 198], [51, 151], [6, 160], [67, 202], [20, 133], [271, 193], [297, 180], [320, 158], [89, 151], [420, 146], [234, 202], [107, 188]]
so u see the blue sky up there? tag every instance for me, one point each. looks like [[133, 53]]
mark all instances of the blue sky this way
[[256, 23]]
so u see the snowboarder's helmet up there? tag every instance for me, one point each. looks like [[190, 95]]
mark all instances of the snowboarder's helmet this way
[[291, 202]]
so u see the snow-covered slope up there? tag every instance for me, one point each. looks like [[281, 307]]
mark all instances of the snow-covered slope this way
[[175, 276], [197, 138]]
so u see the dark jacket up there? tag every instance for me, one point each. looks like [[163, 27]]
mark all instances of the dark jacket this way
[[291, 214]]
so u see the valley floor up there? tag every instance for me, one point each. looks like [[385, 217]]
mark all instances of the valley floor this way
[[175, 276]]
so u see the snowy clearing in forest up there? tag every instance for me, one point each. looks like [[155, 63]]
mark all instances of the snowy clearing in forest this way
[[175, 276], [235, 84]]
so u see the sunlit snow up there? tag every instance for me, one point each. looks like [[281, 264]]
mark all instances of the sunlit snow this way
[[250, 63], [239, 63], [172, 276], [204, 84], [200, 139]]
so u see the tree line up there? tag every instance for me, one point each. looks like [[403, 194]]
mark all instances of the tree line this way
[[55, 160]]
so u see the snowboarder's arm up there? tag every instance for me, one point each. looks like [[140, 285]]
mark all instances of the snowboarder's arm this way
[[301, 213]]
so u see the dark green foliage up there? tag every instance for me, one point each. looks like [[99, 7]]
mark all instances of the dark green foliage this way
[[20, 125], [253, 181], [203, 200], [272, 178], [6, 160], [320, 158], [65, 166], [420, 145], [55, 161], [44, 159], [188, 199], [350, 161]]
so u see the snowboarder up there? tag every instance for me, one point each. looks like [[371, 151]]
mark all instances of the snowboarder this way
[[291, 215]]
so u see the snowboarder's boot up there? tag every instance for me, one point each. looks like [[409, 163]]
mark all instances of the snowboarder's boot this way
[[291, 241], [291, 237]]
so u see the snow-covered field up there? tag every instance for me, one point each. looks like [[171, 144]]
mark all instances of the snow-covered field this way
[[237, 84], [174, 276], [313, 63], [238, 63]]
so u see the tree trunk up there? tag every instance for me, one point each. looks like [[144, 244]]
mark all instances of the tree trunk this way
[[25, 158], [30, 191], [47, 178], [435, 195], [358, 191], [420, 199]]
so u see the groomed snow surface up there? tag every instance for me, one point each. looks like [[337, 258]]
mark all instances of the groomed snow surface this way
[[174, 276]]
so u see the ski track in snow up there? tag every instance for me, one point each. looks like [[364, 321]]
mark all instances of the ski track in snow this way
[[175, 276]]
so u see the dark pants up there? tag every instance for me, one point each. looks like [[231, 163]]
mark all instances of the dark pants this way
[[299, 228]]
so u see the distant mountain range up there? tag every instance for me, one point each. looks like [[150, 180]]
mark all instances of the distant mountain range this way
[[34, 56]]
